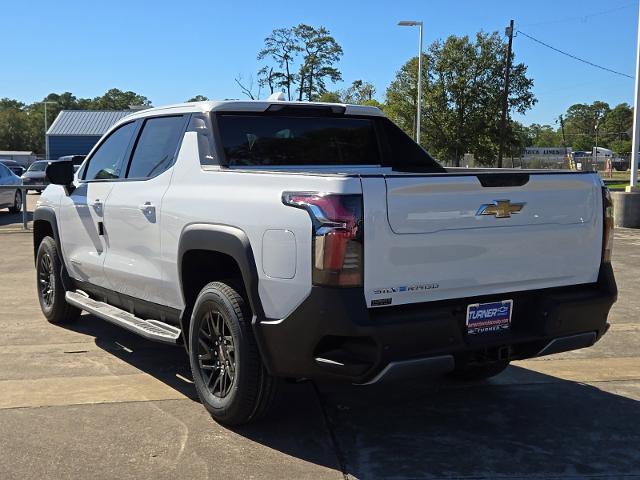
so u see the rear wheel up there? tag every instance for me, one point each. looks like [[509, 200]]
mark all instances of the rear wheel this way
[[17, 202], [479, 372], [51, 292], [228, 374]]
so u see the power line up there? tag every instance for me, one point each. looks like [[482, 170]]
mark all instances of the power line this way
[[574, 57], [583, 18]]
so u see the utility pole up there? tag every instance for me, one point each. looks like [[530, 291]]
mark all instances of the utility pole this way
[[564, 142], [505, 99], [564, 139]]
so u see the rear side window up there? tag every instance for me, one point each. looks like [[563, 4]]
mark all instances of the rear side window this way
[[106, 162], [156, 146], [199, 124], [297, 140], [403, 153], [38, 167]]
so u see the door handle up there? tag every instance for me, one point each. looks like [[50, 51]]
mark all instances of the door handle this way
[[97, 206], [147, 207]]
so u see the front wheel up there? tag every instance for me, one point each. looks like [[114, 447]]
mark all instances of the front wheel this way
[[17, 202], [51, 292], [228, 373]]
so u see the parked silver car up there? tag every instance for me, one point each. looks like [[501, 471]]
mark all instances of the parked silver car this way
[[14, 166], [10, 198]]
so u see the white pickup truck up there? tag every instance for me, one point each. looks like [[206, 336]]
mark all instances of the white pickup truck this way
[[302, 240]]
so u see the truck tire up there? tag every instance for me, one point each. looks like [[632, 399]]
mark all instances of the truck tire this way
[[228, 373], [17, 202], [51, 291], [479, 372]]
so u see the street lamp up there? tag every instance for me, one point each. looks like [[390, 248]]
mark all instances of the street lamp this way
[[596, 160], [633, 181], [46, 127], [411, 23]]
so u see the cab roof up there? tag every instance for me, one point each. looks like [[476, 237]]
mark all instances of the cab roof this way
[[248, 106]]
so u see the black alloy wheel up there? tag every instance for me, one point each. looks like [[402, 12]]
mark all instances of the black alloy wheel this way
[[216, 354]]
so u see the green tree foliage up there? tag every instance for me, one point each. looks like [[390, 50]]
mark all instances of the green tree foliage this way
[[462, 91], [22, 126], [358, 93], [580, 124], [299, 61], [621, 147], [617, 123], [281, 48], [198, 98], [519, 138], [613, 125], [13, 125], [330, 97], [320, 53], [115, 99], [543, 136]]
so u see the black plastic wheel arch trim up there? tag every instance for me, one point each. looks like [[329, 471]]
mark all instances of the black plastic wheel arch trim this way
[[46, 214], [229, 241]]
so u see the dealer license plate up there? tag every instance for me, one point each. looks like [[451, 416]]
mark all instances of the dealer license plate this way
[[489, 317]]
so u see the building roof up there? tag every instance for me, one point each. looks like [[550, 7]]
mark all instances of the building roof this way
[[85, 122], [14, 152]]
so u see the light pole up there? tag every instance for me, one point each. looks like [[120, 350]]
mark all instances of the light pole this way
[[595, 162], [46, 127], [411, 23], [633, 181]]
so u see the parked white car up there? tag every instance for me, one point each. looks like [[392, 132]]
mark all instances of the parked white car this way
[[306, 240]]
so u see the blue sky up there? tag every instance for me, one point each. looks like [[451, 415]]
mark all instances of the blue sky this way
[[170, 51]]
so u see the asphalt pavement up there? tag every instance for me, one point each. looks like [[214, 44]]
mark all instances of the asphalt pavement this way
[[90, 400]]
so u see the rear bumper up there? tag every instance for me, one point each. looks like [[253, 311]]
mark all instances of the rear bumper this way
[[40, 183], [333, 334]]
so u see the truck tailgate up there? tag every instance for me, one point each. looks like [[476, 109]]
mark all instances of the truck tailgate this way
[[449, 236]]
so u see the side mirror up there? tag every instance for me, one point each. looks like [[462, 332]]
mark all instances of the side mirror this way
[[61, 173]]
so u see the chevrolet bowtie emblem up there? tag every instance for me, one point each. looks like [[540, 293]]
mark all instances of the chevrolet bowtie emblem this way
[[500, 208]]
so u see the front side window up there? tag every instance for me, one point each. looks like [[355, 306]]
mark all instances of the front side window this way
[[106, 162], [297, 140], [156, 146]]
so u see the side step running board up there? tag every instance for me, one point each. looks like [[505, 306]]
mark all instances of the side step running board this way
[[151, 329]]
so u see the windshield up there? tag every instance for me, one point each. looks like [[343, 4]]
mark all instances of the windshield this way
[[38, 167], [297, 140]]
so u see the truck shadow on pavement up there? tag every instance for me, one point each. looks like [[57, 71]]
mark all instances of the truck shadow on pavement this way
[[166, 363], [8, 218], [520, 424]]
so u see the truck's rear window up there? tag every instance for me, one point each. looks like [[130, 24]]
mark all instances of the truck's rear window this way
[[297, 140]]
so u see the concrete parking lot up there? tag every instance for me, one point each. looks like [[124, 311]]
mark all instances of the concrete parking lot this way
[[90, 400]]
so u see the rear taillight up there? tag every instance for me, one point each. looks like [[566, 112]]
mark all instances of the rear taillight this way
[[337, 235], [607, 235]]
